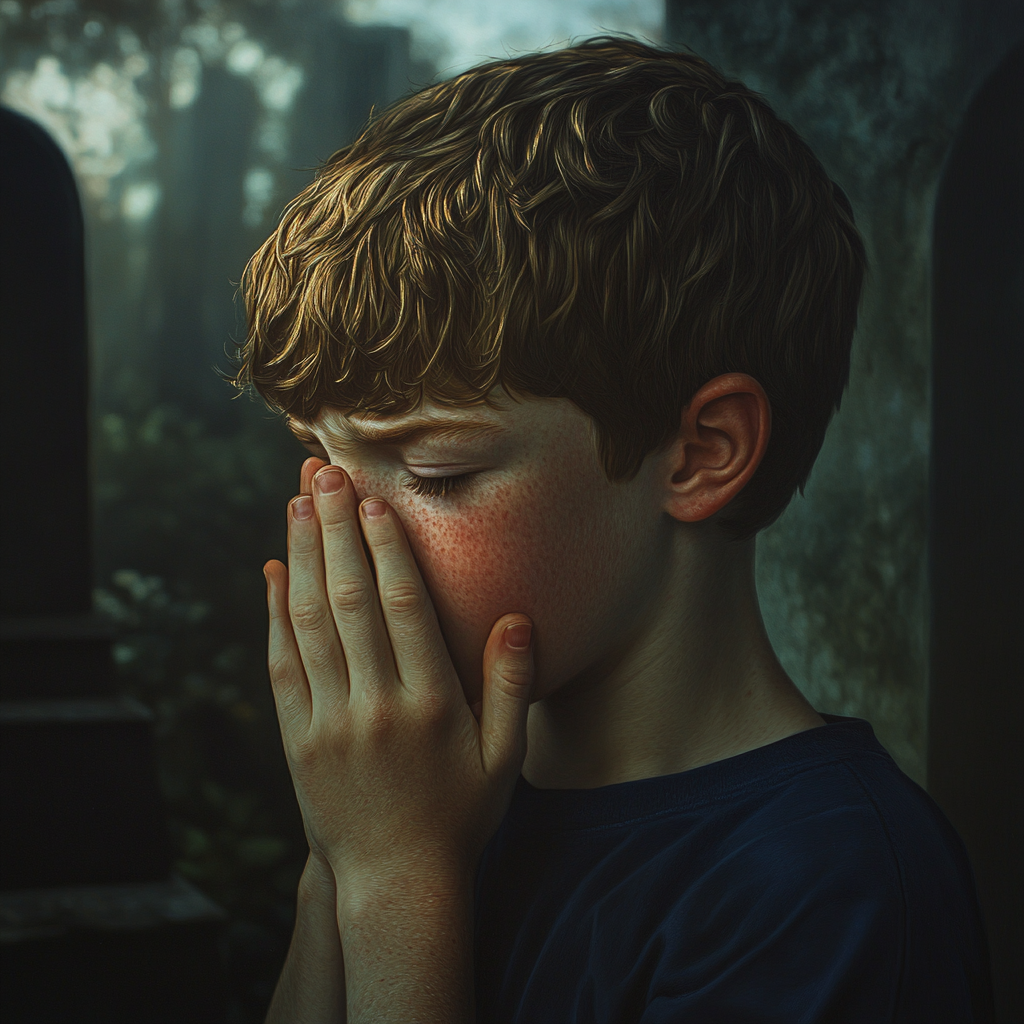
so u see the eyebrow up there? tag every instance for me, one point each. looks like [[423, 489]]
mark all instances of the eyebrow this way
[[437, 429]]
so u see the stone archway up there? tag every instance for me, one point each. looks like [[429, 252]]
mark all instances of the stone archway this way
[[976, 525]]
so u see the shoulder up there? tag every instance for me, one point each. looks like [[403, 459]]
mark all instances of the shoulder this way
[[788, 888], [853, 824], [832, 818], [841, 808], [832, 889], [806, 880]]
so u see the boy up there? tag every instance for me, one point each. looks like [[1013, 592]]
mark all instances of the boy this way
[[564, 333]]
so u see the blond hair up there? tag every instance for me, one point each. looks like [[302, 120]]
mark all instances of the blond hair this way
[[609, 223]]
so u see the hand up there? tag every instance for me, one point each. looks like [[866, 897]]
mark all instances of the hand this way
[[396, 779]]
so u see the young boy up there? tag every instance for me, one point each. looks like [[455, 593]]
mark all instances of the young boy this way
[[564, 333]]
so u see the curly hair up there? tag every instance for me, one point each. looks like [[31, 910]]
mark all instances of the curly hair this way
[[610, 223]]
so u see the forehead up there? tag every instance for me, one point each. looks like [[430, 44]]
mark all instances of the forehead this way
[[502, 416]]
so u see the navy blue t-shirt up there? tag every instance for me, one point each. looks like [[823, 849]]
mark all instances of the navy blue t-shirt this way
[[807, 880]]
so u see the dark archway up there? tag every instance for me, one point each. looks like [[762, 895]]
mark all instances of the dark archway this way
[[976, 529]]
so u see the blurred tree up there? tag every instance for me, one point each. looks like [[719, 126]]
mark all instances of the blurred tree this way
[[189, 125]]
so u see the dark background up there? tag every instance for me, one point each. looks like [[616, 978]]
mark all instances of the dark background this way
[[189, 126]]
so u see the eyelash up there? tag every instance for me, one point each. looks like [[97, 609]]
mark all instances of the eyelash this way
[[436, 486]]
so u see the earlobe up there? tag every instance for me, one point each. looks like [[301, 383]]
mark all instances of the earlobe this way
[[723, 435]]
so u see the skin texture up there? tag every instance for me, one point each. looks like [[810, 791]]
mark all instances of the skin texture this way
[[399, 784], [536, 529], [540, 618], [648, 634]]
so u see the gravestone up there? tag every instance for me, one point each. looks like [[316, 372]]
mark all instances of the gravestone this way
[[93, 925]]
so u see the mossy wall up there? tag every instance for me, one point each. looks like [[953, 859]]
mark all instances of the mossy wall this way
[[877, 89]]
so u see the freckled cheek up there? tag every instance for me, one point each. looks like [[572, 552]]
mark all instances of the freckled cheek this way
[[477, 568], [482, 566], [467, 561]]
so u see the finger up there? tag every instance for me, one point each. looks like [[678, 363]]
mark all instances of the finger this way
[[287, 676], [312, 622], [421, 657], [351, 590], [508, 683], [309, 470]]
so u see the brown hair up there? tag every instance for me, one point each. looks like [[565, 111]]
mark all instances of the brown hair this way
[[609, 223]]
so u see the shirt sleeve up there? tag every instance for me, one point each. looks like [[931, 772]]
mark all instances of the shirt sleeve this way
[[805, 921]]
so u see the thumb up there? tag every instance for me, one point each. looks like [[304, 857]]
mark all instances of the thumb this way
[[508, 682]]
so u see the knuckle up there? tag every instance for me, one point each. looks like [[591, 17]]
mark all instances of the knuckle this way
[[349, 596], [517, 682], [402, 596], [381, 718], [302, 539], [281, 670], [433, 708], [303, 757], [384, 536], [517, 678], [308, 616], [335, 521]]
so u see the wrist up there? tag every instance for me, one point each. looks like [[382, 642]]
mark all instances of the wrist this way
[[418, 934], [421, 891], [317, 883]]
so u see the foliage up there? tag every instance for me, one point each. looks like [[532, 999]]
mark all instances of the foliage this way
[[195, 514]]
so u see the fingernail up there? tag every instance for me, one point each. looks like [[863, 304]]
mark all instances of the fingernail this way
[[302, 507], [372, 508], [330, 481], [517, 636]]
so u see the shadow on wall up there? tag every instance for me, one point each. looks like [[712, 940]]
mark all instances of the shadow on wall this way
[[976, 545]]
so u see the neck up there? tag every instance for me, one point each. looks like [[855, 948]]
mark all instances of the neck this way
[[696, 681]]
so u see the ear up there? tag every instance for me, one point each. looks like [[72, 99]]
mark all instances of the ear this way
[[722, 438]]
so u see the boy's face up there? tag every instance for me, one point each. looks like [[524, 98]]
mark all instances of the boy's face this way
[[533, 526]]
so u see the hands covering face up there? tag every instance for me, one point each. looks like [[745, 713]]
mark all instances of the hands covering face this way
[[396, 777]]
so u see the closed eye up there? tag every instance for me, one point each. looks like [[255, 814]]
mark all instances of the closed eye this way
[[436, 486]]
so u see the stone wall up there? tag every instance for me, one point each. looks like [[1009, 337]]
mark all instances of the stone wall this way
[[877, 89]]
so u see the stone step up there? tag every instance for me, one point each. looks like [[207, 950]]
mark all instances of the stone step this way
[[140, 953], [80, 801], [58, 656]]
